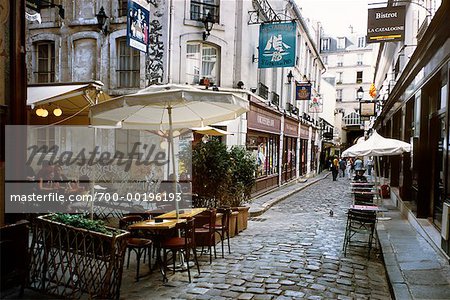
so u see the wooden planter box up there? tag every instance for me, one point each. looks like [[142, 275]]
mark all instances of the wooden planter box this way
[[242, 219], [233, 223], [71, 262]]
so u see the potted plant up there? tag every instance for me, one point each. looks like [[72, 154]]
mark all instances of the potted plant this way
[[223, 178], [243, 178], [72, 256]]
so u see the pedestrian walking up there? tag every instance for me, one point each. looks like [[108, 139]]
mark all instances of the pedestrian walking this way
[[335, 168], [358, 164], [342, 166], [349, 169], [369, 166]]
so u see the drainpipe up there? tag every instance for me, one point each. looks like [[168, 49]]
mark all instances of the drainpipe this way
[[169, 56]]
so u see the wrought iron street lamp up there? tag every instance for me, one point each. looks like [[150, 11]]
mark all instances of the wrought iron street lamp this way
[[102, 19], [290, 76], [359, 94], [208, 22]]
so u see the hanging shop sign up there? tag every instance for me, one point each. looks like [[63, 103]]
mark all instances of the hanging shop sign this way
[[277, 45], [138, 20], [315, 105], [367, 108], [302, 91], [386, 24]]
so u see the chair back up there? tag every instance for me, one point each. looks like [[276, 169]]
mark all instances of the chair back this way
[[188, 232], [208, 217], [124, 222], [362, 217], [226, 214], [361, 198]]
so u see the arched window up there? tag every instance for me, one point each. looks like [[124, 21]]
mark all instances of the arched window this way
[[44, 62], [352, 119], [128, 65], [202, 62]]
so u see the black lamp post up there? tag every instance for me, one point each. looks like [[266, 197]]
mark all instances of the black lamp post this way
[[101, 19], [208, 22], [360, 93], [290, 76]]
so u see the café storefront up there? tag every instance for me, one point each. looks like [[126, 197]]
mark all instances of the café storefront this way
[[263, 139], [290, 135], [304, 136]]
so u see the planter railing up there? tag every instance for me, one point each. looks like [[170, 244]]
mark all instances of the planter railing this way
[[72, 262]]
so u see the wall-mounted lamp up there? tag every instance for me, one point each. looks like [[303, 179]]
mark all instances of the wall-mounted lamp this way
[[57, 112], [208, 22], [240, 85], [290, 76], [359, 94], [102, 20]]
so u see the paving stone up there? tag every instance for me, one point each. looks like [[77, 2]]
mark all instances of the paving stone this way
[[274, 292], [255, 290], [245, 296], [297, 294], [297, 249], [318, 287]]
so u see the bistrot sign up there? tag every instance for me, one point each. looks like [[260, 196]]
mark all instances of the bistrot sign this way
[[386, 24]]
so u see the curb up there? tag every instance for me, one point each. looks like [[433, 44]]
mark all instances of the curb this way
[[274, 201]]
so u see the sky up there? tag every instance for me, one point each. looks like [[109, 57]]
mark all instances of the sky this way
[[337, 15]]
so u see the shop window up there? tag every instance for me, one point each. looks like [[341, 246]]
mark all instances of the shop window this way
[[44, 67], [202, 63], [125, 141], [359, 77], [201, 8], [128, 65], [122, 8], [265, 149]]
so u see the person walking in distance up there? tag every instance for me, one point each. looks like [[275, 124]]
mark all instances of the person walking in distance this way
[[335, 168], [349, 168], [342, 166]]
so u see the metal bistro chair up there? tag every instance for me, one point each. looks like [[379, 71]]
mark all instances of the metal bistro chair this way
[[360, 223], [184, 243], [137, 244], [362, 198]]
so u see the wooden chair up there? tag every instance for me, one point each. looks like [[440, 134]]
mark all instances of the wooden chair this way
[[224, 228], [184, 243], [205, 236], [135, 243], [360, 222]]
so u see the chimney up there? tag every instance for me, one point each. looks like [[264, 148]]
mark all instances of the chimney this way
[[351, 29]]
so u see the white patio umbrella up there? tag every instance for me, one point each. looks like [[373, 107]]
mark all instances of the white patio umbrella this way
[[377, 146], [169, 107]]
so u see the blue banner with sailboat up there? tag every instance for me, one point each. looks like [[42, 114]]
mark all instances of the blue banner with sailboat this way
[[277, 45]]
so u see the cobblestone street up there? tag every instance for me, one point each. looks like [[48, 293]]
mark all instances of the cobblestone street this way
[[291, 251]]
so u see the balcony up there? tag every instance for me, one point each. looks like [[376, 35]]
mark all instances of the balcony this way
[[275, 99], [352, 119], [200, 10], [263, 91]]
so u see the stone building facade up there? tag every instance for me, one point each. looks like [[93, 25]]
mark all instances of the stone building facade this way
[[75, 49]]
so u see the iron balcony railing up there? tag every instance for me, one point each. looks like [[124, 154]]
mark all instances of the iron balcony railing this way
[[275, 99], [263, 91], [200, 10]]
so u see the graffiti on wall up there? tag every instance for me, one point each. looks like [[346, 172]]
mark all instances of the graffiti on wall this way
[[154, 62]]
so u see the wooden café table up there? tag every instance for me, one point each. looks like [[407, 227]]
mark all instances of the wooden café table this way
[[183, 213], [158, 230]]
